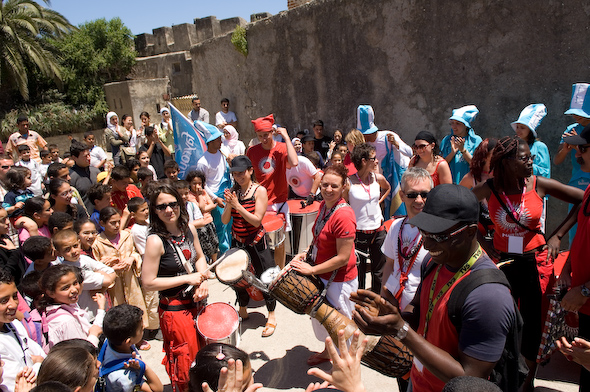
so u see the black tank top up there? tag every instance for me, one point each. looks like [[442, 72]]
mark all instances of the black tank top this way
[[171, 265]]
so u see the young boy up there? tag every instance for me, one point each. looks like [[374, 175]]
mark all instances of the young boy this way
[[24, 153], [21, 356], [144, 176], [45, 162], [59, 221], [100, 196], [97, 276], [40, 251], [171, 169], [140, 213], [123, 328], [122, 190], [54, 151], [97, 155]]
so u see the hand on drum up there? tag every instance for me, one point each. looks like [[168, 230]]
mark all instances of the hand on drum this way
[[231, 379], [346, 366], [301, 266], [374, 315]]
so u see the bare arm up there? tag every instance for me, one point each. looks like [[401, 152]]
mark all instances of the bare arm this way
[[444, 173], [562, 153], [292, 159], [317, 178], [343, 246], [384, 186], [482, 191]]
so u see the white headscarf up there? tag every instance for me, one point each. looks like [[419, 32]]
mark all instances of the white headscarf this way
[[233, 137], [109, 125]]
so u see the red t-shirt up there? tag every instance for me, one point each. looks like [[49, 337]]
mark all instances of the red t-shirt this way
[[342, 224], [270, 168], [120, 199], [349, 165], [530, 216], [581, 249]]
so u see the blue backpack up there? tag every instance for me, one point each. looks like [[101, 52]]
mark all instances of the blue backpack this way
[[117, 364]]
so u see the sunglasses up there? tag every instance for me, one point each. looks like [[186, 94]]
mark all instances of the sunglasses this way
[[582, 149], [443, 237], [162, 207], [419, 147], [414, 195], [5, 167]]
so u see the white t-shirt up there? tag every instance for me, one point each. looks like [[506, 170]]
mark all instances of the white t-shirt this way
[[402, 155], [139, 233], [364, 200], [300, 177], [193, 211], [389, 249], [97, 155], [214, 167], [35, 168], [92, 280], [228, 117]]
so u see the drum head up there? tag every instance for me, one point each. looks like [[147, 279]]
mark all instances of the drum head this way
[[272, 221], [217, 321], [296, 209], [231, 265]]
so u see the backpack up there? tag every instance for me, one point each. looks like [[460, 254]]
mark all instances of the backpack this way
[[32, 322], [510, 370], [117, 364]]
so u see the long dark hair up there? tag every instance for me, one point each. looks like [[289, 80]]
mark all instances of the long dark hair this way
[[507, 148], [156, 225], [427, 137], [208, 364]]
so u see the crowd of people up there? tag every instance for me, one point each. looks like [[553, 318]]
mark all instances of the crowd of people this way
[[111, 253]]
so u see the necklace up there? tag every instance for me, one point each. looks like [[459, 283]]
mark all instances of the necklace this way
[[181, 241], [367, 188], [247, 191], [407, 249]]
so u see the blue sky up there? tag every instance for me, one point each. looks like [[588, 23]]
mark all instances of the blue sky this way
[[143, 16]]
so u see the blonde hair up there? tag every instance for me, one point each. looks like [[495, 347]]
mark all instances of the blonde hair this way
[[355, 137]]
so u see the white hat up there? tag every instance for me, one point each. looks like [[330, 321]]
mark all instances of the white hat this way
[[580, 104], [531, 116], [466, 114], [164, 109], [365, 120]]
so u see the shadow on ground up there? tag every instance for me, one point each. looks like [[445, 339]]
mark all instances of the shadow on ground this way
[[559, 369], [287, 372]]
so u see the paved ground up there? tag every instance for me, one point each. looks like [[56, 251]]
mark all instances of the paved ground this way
[[280, 360]]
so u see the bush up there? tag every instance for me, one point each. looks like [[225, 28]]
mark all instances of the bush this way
[[238, 38], [51, 119]]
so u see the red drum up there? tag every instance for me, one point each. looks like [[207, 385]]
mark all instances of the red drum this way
[[229, 271], [219, 323], [274, 224], [302, 220]]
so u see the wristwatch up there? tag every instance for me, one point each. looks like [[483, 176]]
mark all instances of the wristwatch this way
[[403, 331], [585, 291]]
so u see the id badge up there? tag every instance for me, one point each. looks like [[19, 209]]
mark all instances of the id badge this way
[[515, 244]]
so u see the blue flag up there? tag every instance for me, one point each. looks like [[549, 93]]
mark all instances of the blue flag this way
[[392, 172], [189, 145]]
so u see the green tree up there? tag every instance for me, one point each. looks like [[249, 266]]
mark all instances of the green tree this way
[[24, 26], [99, 52]]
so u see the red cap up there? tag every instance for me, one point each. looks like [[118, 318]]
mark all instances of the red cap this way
[[263, 124]]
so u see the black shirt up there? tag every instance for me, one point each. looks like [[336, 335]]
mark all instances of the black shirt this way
[[157, 159], [322, 146]]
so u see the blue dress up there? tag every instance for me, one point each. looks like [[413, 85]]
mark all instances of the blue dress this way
[[459, 166], [542, 161]]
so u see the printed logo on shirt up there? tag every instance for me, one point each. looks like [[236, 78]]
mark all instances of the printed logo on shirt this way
[[508, 225], [294, 181], [267, 165]]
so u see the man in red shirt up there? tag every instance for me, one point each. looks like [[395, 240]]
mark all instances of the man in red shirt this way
[[576, 271], [271, 159], [122, 192]]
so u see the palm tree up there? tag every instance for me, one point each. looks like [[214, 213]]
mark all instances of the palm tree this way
[[23, 26]]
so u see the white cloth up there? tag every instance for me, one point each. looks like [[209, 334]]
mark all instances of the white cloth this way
[[139, 234], [366, 205], [402, 155], [93, 280], [35, 168], [69, 322], [214, 167], [389, 249], [202, 115], [228, 117], [122, 380], [16, 352], [300, 177], [339, 296], [193, 211], [97, 155]]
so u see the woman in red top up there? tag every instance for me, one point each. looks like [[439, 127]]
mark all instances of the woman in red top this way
[[515, 201], [426, 156], [246, 202], [334, 229]]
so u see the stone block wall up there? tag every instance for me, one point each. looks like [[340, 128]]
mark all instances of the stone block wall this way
[[296, 3]]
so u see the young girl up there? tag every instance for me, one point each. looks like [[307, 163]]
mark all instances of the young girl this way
[[73, 366], [144, 161], [60, 197], [10, 255], [87, 232], [336, 158], [18, 180], [196, 179], [124, 259], [36, 213], [61, 285]]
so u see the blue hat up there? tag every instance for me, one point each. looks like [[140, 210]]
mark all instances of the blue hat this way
[[580, 105], [365, 119], [531, 116], [466, 114], [209, 132]]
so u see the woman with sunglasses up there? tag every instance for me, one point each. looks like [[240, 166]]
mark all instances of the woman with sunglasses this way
[[174, 265], [426, 156], [515, 201], [368, 189], [331, 254]]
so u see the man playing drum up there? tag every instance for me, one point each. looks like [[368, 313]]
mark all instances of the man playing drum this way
[[448, 225], [271, 159]]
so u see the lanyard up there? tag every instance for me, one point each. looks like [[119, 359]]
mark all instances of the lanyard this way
[[405, 266], [367, 188], [458, 275], [511, 206], [23, 344]]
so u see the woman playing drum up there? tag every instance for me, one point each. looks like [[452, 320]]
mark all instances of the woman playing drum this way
[[173, 264], [334, 260], [246, 202]]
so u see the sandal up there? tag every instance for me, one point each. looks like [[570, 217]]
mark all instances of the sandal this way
[[144, 345], [316, 359], [268, 330]]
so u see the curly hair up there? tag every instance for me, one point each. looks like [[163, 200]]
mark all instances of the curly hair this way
[[506, 148], [156, 225], [480, 155], [359, 153]]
